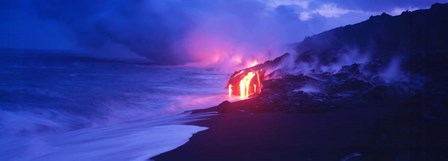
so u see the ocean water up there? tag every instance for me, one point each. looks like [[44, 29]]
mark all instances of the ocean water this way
[[57, 106]]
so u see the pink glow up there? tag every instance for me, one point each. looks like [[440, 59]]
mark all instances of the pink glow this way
[[225, 49]]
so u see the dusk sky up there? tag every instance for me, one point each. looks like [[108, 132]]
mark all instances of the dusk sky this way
[[172, 32]]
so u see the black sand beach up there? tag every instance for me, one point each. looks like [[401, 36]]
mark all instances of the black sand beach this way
[[334, 135]]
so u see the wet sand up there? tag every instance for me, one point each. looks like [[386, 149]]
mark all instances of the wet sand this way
[[282, 136]]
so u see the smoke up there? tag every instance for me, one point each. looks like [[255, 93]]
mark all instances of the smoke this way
[[174, 32], [137, 26], [196, 32], [366, 66], [219, 33], [393, 71], [311, 63]]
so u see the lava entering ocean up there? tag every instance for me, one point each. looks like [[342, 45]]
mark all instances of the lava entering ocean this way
[[248, 82], [245, 83]]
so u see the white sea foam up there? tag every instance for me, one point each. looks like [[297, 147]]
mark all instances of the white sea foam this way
[[136, 141], [71, 108]]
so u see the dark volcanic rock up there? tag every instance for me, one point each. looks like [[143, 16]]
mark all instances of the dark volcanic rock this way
[[302, 93], [421, 48], [225, 107], [414, 126], [419, 39]]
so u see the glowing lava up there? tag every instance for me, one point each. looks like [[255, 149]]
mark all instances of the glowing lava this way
[[230, 90], [249, 81], [253, 64], [245, 83]]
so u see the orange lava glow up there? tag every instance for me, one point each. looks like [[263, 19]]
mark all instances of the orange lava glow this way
[[230, 90], [245, 84], [254, 63]]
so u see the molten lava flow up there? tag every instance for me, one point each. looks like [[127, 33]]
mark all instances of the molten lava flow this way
[[253, 64], [241, 72], [245, 84], [230, 90], [258, 83]]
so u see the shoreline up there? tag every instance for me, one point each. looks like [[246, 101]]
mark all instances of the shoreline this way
[[385, 129], [343, 134], [136, 140]]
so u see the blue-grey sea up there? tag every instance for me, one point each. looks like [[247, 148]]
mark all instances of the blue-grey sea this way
[[57, 106]]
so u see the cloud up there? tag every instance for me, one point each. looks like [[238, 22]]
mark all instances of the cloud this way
[[272, 4], [330, 10], [304, 16], [171, 32], [166, 32], [398, 10], [177, 31]]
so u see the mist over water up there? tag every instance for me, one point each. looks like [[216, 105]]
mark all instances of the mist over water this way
[[198, 32], [54, 93], [60, 107]]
